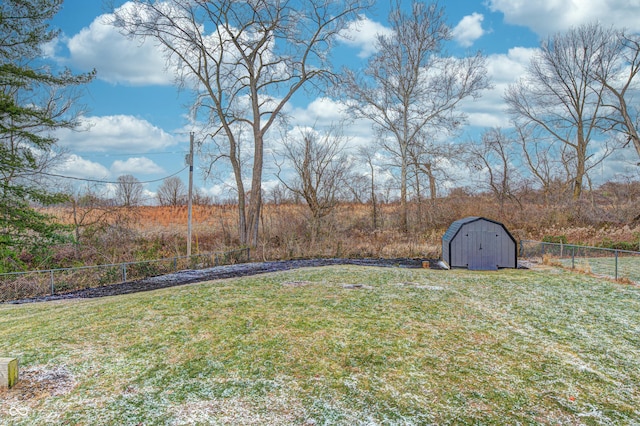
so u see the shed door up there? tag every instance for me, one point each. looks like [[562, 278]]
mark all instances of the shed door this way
[[483, 250]]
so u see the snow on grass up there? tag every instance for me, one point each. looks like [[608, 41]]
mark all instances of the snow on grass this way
[[605, 266], [37, 388], [278, 406], [345, 345]]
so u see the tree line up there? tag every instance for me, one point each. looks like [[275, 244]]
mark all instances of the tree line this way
[[243, 62], [570, 110]]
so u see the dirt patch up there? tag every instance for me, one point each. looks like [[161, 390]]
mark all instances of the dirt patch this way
[[357, 286], [221, 272], [34, 385]]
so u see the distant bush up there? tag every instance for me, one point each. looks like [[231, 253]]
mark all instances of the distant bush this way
[[557, 239], [158, 232], [620, 245]]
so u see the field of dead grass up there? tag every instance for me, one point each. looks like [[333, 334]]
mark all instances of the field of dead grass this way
[[285, 230]]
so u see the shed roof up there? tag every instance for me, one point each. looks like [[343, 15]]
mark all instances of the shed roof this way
[[455, 227]]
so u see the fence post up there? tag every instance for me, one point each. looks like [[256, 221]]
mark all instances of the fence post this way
[[13, 286], [616, 265]]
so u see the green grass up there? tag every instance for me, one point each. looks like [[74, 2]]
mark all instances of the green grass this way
[[628, 266], [408, 347]]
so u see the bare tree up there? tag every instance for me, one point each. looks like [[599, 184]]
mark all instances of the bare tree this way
[[90, 211], [129, 191], [367, 155], [559, 96], [409, 88], [542, 160], [617, 70], [279, 194], [201, 199], [358, 188], [321, 169], [243, 72], [431, 161], [494, 155], [172, 192]]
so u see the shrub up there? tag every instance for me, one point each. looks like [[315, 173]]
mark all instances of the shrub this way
[[559, 239]]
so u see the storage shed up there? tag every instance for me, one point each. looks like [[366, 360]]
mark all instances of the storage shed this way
[[480, 244]]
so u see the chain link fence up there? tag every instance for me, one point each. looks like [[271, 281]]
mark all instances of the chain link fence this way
[[22, 285], [621, 265]]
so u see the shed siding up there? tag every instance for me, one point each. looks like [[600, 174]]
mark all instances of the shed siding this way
[[446, 255], [479, 243]]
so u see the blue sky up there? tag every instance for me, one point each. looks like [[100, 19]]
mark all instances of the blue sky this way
[[136, 120]]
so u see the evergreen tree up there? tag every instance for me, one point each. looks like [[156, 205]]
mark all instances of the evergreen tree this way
[[34, 101]]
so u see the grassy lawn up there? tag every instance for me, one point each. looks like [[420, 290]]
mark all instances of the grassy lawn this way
[[628, 266], [402, 346]]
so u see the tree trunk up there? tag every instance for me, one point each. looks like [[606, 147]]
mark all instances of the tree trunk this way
[[581, 154], [630, 126], [404, 214], [418, 199], [374, 207], [432, 183], [242, 212], [577, 186], [255, 198]]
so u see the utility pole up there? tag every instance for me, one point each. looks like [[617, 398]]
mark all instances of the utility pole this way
[[190, 196]]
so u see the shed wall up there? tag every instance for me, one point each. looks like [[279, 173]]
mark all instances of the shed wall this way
[[446, 254], [481, 244]]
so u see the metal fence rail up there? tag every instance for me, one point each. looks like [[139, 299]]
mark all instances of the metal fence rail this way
[[22, 285], [617, 264]]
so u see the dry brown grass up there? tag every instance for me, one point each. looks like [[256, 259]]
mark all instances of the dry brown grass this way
[[285, 232], [550, 260]]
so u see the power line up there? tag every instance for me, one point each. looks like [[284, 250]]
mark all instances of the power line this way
[[106, 181]]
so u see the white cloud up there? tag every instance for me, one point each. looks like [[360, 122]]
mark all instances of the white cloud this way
[[135, 165], [50, 48], [115, 133], [149, 197], [323, 111], [503, 70], [223, 190], [323, 114], [550, 16], [487, 111], [363, 34], [469, 29], [621, 165], [76, 166], [117, 58]]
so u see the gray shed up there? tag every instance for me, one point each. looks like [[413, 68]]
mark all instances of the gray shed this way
[[480, 244]]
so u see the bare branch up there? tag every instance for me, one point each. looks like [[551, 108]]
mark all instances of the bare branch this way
[[410, 89], [560, 96], [244, 61]]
